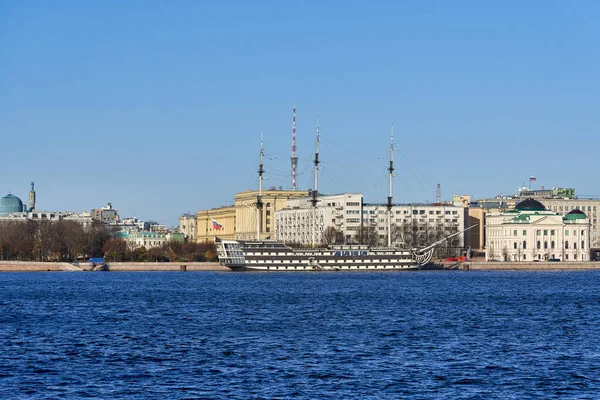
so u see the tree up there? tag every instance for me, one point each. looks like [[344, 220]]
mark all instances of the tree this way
[[332, 236], [367, 235], [114, 250]]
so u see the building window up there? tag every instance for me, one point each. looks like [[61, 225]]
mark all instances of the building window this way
[[552, 232], [515, 232], [524, 232], [538, 244], [567, 244], [552, 245], [545, 245], [538, 232], [582, 245], [524, 245], [566, 256], [524, 256], [566, 233], [545, 232], [574, 244], [514, 245]]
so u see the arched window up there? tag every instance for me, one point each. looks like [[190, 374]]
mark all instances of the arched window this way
[[552, 245], [574, 244], [567, 244], [545, 244], [524, 244], [538, 244]]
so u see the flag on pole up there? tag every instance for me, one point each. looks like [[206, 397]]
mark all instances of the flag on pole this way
[[531, 178], [216, 226]]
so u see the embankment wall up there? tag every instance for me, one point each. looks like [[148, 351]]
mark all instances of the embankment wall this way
[[166, 266], [530, 266], [31, 266]]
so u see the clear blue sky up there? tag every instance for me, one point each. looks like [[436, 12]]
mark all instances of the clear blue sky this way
[[157, 107]]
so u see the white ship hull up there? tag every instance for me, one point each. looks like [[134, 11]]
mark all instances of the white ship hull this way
[[274, 256]]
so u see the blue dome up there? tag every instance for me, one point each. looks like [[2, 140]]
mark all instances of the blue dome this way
[[10, 204]]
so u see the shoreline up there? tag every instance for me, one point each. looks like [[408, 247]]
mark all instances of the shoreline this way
[[27, 266], [32, 266]]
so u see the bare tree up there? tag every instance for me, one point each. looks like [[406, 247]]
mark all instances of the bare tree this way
[[367, 235], [332, 236]]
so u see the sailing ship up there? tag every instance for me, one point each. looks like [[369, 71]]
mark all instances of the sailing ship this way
[[270, 255]]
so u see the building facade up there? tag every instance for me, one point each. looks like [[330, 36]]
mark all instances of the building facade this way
[[590, 207], [530, 232], [206, 229], [242, 221], [137, 239], [187, 226], [106, 214], [294, 223], [412, 225]]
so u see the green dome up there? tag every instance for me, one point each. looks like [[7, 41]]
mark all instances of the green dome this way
[[530, 205], [575, 214], [10, 204]]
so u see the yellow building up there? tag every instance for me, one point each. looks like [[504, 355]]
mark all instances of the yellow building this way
[[246, 214], [206, 230], [474, 219], [240, 220]]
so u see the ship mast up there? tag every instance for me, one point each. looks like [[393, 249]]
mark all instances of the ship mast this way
[[259, 202], [315, 190], [389, 199], [294, 157]]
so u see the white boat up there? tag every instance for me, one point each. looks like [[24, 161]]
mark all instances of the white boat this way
[[268, 255]]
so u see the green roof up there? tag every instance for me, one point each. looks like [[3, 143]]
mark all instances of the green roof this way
[[575, 215]]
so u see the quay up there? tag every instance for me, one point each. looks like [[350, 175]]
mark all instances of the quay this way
[[521, 266], [31, 266]]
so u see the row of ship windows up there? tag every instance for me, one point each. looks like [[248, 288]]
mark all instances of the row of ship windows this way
[[349, 267], [323, 261]]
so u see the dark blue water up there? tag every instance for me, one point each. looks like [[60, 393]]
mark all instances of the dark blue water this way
[[412, 335]]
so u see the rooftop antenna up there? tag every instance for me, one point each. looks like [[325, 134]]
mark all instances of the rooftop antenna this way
[[259, 202], [294, 157], [438, 194], [315, 190], [389, 199]]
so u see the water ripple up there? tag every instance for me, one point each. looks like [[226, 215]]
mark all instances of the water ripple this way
[[434, 335]]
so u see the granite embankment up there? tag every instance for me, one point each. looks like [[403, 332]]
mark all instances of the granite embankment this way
[[166, 266], [528, 266], [30, 266]]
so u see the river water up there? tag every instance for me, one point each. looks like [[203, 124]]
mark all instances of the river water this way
[[390, 335]]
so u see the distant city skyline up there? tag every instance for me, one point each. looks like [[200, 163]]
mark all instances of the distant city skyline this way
[[158, 108]]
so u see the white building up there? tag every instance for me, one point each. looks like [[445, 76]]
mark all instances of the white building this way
[[412, 225], [531, 232], [416, 225], [188, 225], [294, 223]]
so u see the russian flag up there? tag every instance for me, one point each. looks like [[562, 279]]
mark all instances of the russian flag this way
[[216, 226], [531, 178]]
